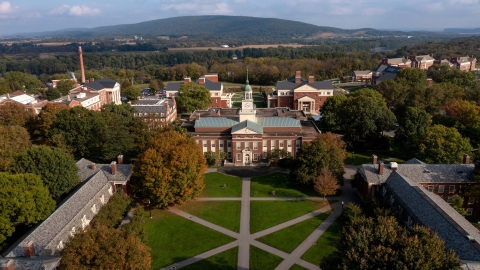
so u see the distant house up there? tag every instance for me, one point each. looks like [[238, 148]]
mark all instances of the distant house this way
[[40, 247], [155, 112], [224, 46], [361, 76]]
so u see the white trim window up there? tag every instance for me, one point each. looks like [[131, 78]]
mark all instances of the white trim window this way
[[102, 199], [239, 157], [441, 188], [110, 190], [469, 211], [255, 145], [94, 209], [85, 221], [471, 200], [60, 246], [239, 145], [255, 157], [430, 188], [451, 189]]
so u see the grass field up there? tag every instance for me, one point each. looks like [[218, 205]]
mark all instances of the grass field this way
[[226, 260], [297, 267], [173, 239], [266, 214], [225, 214], [289, 238], [325, 244], [214, 182], [262, 186], [262, 260], [257, 100]]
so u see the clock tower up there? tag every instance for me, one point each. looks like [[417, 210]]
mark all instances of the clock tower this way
[[248, 110]]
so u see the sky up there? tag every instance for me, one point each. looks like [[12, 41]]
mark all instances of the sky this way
[[21, 16]]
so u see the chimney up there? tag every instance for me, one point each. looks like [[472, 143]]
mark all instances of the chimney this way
[[311, 79], [298, 76], [198, 116], [82, 68], [374, 159], [8, 265], [29, 250], [93, 166], [201, 80], [393, 166], [113, 167], [187, 80], [92, 79], [120, 159], [466, 159], [380, 168]]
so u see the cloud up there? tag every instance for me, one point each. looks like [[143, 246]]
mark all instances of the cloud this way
[[239, 1], [374, 11], [75, 10], [7, 10], [199, 7]]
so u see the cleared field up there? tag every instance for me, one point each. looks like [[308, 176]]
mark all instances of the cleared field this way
[[261, 46]]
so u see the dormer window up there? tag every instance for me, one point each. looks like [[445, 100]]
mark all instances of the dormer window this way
[[102, 199], [60, 246], [94, 209], [110, 190]]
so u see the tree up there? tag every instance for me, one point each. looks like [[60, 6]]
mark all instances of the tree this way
[[413, 123], [170, 170], [393, 93], [413, 77], [13, 113], [457, 204], [56, 168], [193, 96], [131, 93], [105, 248], [52, 94], [156, 85], [23, 200], [325, 151], [330, 113], [112, 213], [64, 86], [13, 140], [18, 80], [276, 155], [326, 183], [45, 118], [442, 145], [445, 73]]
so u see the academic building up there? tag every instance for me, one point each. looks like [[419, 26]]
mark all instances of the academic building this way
[[248, 134]]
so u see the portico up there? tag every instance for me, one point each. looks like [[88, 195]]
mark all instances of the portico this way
[[306, 104]]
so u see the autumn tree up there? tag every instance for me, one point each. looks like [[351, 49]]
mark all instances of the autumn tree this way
[[13, 140], [105, 248], [325, 151], [13, 113], [56, 168], [193, 96], [442, 145], [326, 183], [170, 170], [23, 200], [45, 118]]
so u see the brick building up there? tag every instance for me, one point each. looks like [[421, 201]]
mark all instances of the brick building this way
[[210, 81], [248, 134], [299, 93], [156, 113]]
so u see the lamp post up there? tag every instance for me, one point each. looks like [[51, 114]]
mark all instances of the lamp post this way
[[150, 208]]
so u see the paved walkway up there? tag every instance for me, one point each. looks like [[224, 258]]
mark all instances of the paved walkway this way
[[244, 239]]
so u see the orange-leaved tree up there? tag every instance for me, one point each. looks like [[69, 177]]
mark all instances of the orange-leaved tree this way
[[326, 183]]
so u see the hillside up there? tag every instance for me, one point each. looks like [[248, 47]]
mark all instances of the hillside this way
[[233, 26], [471, 31]]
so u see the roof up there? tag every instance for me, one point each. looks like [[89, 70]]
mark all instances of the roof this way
[[287, 85], [414, 161], [398, 61], [362, 72], [214, 86], [24, 99], [425, 57], [248, 124], [421, 173], [216, 122], [102, 84], [173, 86], [429, 210], [387, 76], [278, 122]]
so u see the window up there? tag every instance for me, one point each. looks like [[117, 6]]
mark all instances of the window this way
[[204, 143], [216, 100], [216, 94], [471, 200], [247, 136], [272, 144], [238, 136], [221, 144], [213, 143], [94, 209], [264, 155], [110, 190], [289, 143], [102, 199], [264, 143], [441, 188], [430, 188], [229, 155], [239, 157], [449, 199], [255, 136], [255, 145], [229, 143], [451, 189], [60, 245], [239, 145], [255, 157], [247, 144], [469, 211]]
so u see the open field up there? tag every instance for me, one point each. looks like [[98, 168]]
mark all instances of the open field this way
[[262, 260], [261, 46], [262, 186], [214, 185], [226, 260], [225, 214]]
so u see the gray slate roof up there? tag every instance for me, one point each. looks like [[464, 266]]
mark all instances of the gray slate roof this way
[[248, 124], [287, 85], [215, 86], [430, 210], [421, 173], [173, 86], [101, 84], [153, 105]]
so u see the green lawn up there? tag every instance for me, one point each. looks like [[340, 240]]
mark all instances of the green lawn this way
[[214, 182], [296, 267], [262, 260], [262, 186], [325, 244], [289, 238], [365, 156], [222, 213], [257, 100], [266, 214], [173, 238], [226, 260]]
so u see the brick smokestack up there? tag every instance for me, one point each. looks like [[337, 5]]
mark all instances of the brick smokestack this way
[[298, 76], [120, 159], [311, 79], [29, 250], [82, 68], [374, 159], [381, 166], [113, 167], [8, 265], [466, 159], [93, 166]]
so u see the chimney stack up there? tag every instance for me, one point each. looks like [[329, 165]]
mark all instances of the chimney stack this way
[[381, 166], [466, 159], [311, 79], [82, 68], [201, 80], [187, 80], [120, 159], [298, 76], [198, 116], [29, 250], [374, 159], [8, 265], [113, 167], [93, 166], [92, 79]]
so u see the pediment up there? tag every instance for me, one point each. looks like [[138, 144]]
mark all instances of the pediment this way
[[305, 88], [245, 131], [306, 98]]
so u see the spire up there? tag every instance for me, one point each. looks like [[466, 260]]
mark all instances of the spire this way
[[247, 76]]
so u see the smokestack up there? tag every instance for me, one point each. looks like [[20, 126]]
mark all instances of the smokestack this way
[[8, 265], [82, 68], [298, 76], [374, 159], [381, 167], [93, 166], [113, 167], [311, 79], [29, 250], [466, 159], [120, 159]]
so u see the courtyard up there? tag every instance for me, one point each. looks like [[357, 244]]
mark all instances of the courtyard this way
[[237, 223]]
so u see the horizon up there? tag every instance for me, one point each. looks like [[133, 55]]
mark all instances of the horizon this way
[[22, 16]]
